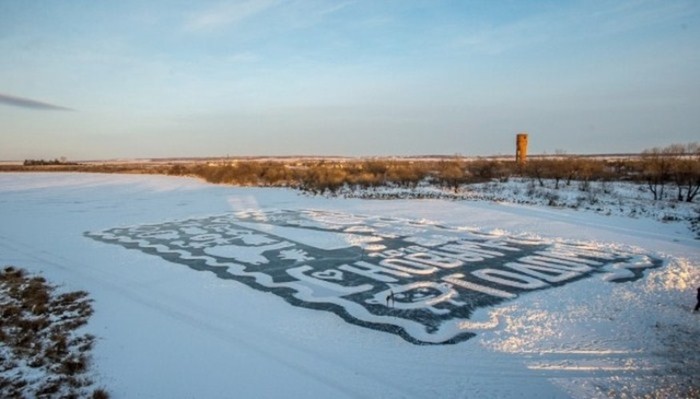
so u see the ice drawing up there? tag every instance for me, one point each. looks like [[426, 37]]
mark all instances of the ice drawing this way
[[419, 280]]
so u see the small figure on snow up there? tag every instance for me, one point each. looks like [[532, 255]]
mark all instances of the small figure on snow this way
[[697, 307], [390, 298]]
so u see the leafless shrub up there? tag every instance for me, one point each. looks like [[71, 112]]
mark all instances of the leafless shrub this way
[[552, 198]]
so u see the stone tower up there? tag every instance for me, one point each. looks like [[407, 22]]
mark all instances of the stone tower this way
[[521, 148]]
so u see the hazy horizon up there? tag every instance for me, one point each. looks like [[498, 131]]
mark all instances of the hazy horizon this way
[[160, 79]]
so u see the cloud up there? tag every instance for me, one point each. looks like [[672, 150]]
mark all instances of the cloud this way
[[588, 20], [227, 14], [30, 104], [636, 14], [336, 7]]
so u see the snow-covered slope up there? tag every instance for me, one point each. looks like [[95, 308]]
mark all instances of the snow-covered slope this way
[[629, 199], [165, 330]]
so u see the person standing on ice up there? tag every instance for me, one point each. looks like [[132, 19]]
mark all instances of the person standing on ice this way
[[697, 307], [390, 298]]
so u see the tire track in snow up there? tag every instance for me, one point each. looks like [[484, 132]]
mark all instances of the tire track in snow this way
[[586, 365]]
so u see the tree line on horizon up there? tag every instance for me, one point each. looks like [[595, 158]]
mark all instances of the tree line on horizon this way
[[44, 162], [674, 168]]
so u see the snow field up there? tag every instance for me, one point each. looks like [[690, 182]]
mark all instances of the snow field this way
[[166, 331]]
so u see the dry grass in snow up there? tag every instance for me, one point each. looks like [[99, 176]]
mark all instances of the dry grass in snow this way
[[43, 353]]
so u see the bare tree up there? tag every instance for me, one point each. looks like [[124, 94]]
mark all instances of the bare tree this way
[[536, 169], [656, 169], [685, 170], [451, 174]]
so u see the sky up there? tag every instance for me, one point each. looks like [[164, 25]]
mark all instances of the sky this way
[[86, 79]]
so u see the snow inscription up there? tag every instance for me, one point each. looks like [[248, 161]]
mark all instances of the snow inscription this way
[[419, 280]]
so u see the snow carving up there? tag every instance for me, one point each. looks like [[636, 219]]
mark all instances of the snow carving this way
[[420, 280]]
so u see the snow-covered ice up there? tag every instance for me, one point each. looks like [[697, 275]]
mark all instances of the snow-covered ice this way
[[165, 330]]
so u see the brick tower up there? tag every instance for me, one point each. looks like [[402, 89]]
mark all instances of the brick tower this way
[[521, 148]]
